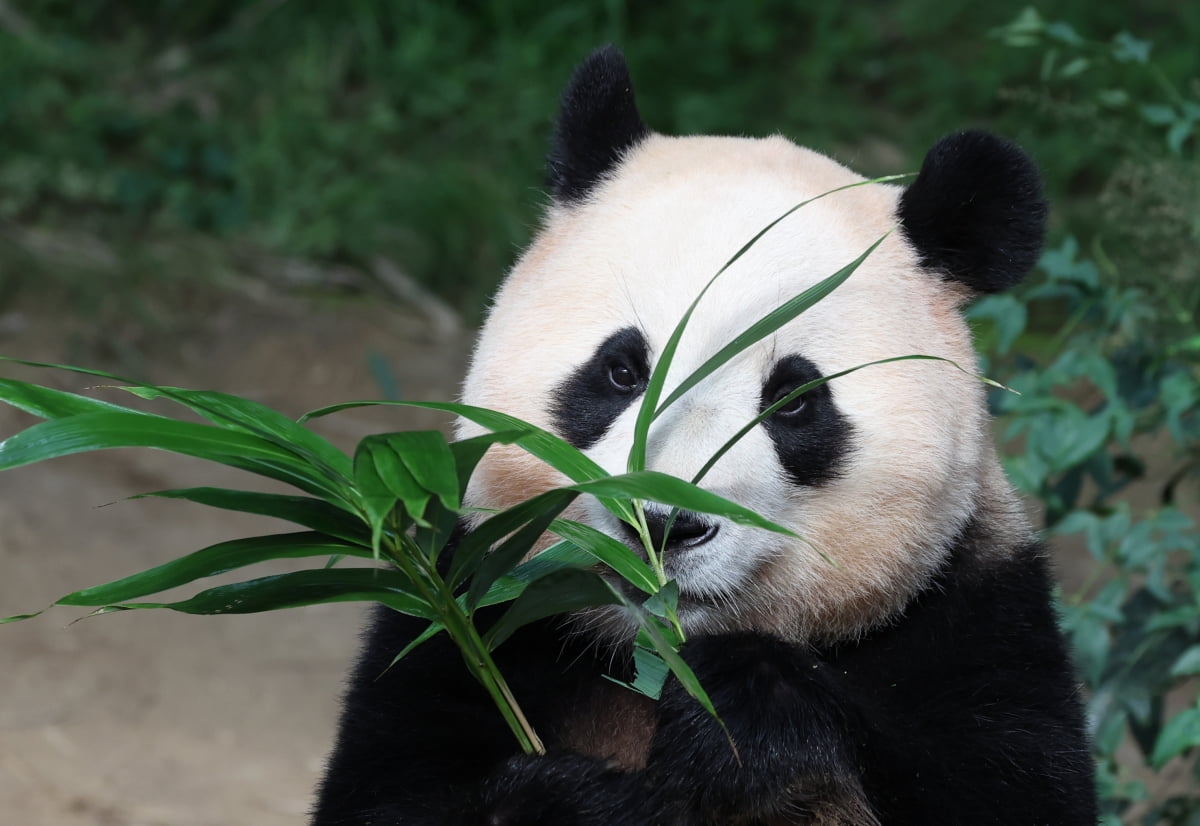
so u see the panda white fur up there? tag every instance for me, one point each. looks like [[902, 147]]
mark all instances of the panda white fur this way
[[919, 680]]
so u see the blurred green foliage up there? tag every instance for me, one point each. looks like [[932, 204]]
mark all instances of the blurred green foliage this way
[[415, 130], [1104, 348]]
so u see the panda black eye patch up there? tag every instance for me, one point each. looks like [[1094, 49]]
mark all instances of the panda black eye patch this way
[[588, 401], [810, 434]]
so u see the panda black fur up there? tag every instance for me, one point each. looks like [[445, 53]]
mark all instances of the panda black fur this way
[[921, 680]]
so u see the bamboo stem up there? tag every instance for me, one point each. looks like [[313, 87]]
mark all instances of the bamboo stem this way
[[461, 629]]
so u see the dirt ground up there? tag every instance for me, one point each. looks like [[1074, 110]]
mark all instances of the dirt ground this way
[[162, 719]]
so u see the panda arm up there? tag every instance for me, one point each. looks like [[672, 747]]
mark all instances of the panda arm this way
[[975, 715], [964, 711], [412, 737], [790, 740], [422, 743]]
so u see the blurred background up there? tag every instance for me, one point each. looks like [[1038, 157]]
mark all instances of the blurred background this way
[[306, 202]]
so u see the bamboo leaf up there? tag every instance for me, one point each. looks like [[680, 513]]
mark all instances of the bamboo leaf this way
[[650, 673], [468, 452], [19, 617], [613, 553], [505, 556], [557, 593], [210, 561], [558, 557], [432, 630], [563, 457], [251, 417], [383, 479], [374, 494], [430, 462], [432, 537], [649, 407], [111, 429], [231, 411], [301, 588], [470, 552], [799, 391], [767, 325], [541, 443], [659, 487], [655, 632], [315, 514], [53, 404]]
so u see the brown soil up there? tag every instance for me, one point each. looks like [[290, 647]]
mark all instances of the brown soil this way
[[157, 718]]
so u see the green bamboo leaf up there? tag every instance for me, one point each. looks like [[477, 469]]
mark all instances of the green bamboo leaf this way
[[470, 552], [613, 553], [767, 325], [298, 589], [555, 452], [665, 606], [315, 514], [383, 479], [559, 556], [210, 561], [508, 554], [800, 391], [430, 461], [53, 404], [227, 410], [656, 633], [432, 630], [374, 494], [659, 487], [649, 407], [469, 452], [650, 672], [563, 457], [557, 593], [658, 378], [432, 537], [111, 429], [19, 617]]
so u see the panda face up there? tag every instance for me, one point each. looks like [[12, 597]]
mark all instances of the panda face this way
[[877, 471]]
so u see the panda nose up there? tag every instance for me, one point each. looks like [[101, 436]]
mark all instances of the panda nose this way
[[687, 530]]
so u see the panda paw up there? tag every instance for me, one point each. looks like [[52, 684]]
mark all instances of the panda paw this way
[[786, 718], [564, 789]]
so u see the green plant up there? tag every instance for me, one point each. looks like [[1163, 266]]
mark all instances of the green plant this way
[[1107, 429], [1115, 95], [1104, 405], [413, 131]]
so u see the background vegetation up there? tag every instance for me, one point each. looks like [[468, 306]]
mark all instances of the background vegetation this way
[[361, 133]]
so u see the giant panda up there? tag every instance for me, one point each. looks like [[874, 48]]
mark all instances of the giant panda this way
[[902, 664]]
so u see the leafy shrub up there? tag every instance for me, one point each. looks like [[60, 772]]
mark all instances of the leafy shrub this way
[[415, 130], [1110, 405]]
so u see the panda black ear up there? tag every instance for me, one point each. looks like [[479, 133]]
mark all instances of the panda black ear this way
[[975, 212], [598, 122]]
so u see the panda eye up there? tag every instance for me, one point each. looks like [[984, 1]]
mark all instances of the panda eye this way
[[793, 407], [622, 377]]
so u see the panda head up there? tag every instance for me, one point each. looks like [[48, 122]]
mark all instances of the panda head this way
[[879, 471]]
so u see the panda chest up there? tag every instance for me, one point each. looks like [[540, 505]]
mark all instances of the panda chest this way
[[611, 723]]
